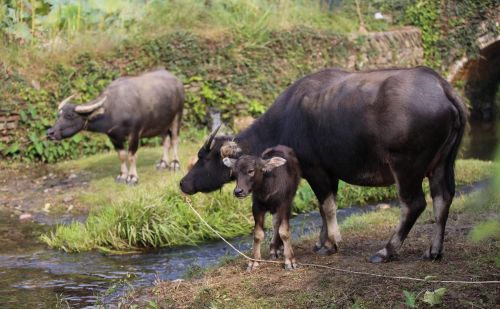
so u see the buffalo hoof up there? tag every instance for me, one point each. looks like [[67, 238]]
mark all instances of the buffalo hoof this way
[[175, 166], [291, 265], [325, 250], [275, 254], [162, 165], [121, 179], [381, 258], [432, 256], [132, 180], [252, 265]]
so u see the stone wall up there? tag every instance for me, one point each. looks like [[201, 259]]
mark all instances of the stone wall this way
[[397, 48]]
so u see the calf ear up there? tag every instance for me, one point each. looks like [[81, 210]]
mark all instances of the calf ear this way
[[229, 162], [270, 164]]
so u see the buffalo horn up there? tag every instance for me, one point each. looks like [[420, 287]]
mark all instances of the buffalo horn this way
[[63, 102], [84, 109], [208, 143]]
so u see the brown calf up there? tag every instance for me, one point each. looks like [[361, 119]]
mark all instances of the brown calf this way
[[272, 179]]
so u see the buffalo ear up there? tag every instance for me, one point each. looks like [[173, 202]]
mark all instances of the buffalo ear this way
[[272, 163], [229, 162]]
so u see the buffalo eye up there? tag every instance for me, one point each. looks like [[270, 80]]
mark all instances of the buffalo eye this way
[[69, 116], [251, 173]]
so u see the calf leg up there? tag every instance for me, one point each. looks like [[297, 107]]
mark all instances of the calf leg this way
[[163, 164], [132, 178], [258, 236], [442, 197], [275, 248], [175, 164], [284, 231]]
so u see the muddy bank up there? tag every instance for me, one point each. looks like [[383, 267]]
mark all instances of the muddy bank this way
[[230, 286]]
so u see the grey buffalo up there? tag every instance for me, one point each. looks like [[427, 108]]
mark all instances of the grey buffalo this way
[[128, 109], [372, 128]]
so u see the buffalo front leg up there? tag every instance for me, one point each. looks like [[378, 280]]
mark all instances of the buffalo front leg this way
[[275, 248], [330, 233], [163, 164], [175, 164], [442, 196], [284, 231], [133, 178], [122, 156], [258, 236]]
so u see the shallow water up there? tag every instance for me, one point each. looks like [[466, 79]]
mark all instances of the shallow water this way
[[33, 276]]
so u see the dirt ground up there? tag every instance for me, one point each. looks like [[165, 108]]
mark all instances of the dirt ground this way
[[41, 192], [270, 286]]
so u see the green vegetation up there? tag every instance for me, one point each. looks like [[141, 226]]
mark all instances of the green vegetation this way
[[449, 29], [154, 214]]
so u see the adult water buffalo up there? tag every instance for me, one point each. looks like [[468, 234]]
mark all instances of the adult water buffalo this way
[[372, 128], [128, 109]]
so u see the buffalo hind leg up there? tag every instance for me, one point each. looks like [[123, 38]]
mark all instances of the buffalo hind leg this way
[[258, 236], [133, 178], [412, 205], [163, 164], [441, 201]]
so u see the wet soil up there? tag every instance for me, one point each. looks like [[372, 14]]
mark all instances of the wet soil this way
[[41, 193]]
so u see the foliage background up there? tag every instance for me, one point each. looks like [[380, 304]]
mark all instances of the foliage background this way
[[235, 56]]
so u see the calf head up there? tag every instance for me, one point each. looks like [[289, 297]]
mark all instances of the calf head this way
[[72, 118], [250, 171]]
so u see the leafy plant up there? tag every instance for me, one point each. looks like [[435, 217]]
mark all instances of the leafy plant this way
[[410, 298], [434, 297]]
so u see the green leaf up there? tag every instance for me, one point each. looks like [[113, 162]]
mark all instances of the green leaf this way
[[410, 298], [428, 278], [434, 298]]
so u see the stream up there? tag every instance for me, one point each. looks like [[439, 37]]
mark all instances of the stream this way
[[32, 276]]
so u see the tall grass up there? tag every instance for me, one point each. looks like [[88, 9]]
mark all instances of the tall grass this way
[[63, 28], [154, 214]]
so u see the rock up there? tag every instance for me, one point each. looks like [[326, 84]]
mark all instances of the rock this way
[[67, 198], [46, 208], [383, 206], [26, 217]]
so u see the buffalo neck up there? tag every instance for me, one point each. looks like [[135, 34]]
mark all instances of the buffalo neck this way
[[263, 133], [99, 124]]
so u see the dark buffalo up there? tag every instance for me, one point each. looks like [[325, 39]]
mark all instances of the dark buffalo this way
[[372, 128], [128, 109]]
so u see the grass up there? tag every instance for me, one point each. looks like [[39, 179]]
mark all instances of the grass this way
[[154, 214], [100, 28]]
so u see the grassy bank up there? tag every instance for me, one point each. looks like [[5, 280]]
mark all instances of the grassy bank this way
[[154, 214], [229, 286]]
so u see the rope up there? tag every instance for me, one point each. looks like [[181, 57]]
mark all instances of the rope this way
[[189, 202]]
